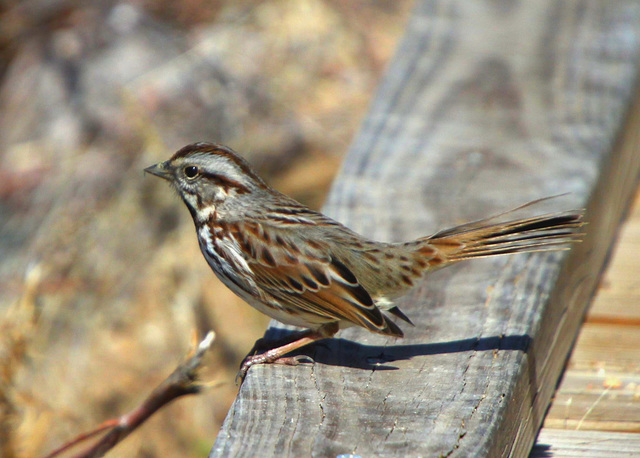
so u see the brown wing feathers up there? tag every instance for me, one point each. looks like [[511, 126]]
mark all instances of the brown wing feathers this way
[[318, 285]]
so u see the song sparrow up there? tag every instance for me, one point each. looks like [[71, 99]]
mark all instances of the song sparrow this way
[[305, 269]]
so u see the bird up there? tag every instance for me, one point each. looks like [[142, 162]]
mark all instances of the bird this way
[[305, 269]]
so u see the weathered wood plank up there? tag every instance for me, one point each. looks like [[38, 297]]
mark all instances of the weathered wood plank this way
[[601, 386], [587, 400], [486, 105], [619, 294], [618, 345], [586, 444]]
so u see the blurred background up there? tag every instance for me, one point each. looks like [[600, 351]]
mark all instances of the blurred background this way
[[101, 279]]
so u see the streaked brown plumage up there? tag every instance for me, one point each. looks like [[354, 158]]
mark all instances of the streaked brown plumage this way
[[303, 268]]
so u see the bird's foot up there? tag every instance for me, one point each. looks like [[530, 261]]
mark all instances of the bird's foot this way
[[267, 358]]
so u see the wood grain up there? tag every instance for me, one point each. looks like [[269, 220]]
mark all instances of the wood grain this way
[[487, 105], [600, 389], [586, 444]]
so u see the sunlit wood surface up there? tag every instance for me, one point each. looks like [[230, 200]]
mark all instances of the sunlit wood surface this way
[[600, 390], [486, 105]]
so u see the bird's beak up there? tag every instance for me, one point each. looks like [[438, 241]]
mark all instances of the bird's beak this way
[[161, 170]]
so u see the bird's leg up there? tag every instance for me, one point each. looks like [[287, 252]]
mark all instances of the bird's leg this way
[[276, 355], [263, 344]]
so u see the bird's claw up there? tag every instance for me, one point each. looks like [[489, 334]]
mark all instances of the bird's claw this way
[[294, 360], [264, 359]]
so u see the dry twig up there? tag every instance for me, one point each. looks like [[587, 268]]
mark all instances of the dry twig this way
[[183, 381]]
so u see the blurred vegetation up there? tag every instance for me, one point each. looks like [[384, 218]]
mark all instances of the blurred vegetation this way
[[101, 278]]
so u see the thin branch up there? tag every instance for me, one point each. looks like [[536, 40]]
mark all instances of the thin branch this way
[[183, 381]]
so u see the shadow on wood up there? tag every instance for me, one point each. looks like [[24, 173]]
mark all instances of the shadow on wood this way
[[347, 353]]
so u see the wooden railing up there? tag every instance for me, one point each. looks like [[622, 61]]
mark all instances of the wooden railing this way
[[487, 105]]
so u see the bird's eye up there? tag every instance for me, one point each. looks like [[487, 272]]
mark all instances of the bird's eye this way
[[191, 171]]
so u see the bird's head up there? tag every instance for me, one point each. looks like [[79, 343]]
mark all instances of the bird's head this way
[[206, 175]]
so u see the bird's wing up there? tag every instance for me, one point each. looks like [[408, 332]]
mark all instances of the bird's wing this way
[[303, 275]]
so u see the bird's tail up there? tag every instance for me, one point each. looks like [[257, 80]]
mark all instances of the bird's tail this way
[[483, 238]]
